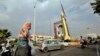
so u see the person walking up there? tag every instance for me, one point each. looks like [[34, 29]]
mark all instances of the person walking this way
[[83, 42], [23, 47]]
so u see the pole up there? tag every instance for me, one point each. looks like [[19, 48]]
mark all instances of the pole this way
[[34, 21], [50, 28]]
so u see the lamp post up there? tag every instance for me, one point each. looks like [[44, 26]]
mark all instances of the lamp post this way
[[34, 21], [50, 27]]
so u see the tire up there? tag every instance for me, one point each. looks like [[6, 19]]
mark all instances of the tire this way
[[40, 50], [62, 47], [45, 49]]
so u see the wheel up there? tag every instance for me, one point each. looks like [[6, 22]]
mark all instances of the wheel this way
[[62, 47], [41, 50], [45, 49]]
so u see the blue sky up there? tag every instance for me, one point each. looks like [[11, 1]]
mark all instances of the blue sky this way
[[14, 13]]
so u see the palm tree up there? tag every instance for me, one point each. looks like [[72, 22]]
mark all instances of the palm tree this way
[[4, 33], [96, 6]]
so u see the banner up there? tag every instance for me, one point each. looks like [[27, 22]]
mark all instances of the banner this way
[[58, 30]]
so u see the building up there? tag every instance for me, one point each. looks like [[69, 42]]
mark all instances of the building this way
[[40, 38]]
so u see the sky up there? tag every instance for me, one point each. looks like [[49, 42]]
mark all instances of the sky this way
[[80, 17]]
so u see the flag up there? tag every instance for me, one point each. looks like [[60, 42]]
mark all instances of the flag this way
[[24, 32]]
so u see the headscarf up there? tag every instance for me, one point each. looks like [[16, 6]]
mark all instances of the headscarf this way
[[24, 32]]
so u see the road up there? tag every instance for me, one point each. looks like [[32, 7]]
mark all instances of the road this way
[[71, 51]]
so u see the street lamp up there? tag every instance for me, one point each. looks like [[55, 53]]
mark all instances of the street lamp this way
[[34, 20]]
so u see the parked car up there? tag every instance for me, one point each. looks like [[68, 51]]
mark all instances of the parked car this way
[[51, 44], [66, 44]]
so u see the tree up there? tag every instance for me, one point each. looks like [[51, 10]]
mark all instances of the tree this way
[[96, 6], [4, 33], [89, 37]]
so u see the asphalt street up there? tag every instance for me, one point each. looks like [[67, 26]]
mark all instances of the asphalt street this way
[[72, 51], [91, 50]]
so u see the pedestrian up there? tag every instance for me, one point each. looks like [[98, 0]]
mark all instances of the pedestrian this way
[[23, 47], [8, 45], [23, 51], [81, 40], [85, 42], [5, 51]]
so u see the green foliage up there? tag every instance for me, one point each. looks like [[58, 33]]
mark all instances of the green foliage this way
[[4, 33], [96, 6], [89, 37]]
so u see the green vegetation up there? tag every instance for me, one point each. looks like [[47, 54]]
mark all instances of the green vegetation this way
[[96, 6], [4, 34]]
